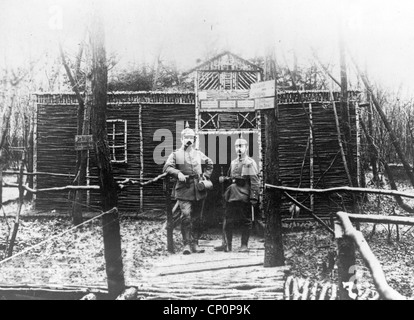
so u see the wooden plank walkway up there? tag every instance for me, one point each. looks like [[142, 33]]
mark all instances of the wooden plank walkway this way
[[214, 276]]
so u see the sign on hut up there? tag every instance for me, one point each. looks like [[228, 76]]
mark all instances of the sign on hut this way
[[83, 142]]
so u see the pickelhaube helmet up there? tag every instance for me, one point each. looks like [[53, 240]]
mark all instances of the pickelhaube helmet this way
[[187, 131], [240, 141]]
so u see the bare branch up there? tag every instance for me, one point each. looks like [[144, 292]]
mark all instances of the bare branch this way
[[324, 68], [342, 189], [387, 124], [70, 76]]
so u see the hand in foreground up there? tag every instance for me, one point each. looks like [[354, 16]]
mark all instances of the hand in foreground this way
[[181, 177]]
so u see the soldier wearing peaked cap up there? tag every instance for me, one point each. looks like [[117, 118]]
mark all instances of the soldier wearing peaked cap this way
[[240, 195], [190, 188]]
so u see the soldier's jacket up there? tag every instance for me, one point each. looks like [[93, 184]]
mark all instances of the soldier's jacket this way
[[245, 177], [188, 162]]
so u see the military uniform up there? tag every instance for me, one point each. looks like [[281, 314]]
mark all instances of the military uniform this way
[[239, 195], [188, 162]]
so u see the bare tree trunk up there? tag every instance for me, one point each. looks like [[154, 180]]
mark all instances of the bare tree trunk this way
[[373, 155], [30, 148], [5, 119], [339, 135], [383, 288], [346, 123], [109, 198], [81, 155], [19, 209], [346, 265], [1, 180], [274, 253], [345, 115], [295, 72]]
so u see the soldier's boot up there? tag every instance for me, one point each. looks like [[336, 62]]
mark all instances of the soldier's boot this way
[[227, 237], [186, 240], [244, 240], [221, 247], [229, 240], [195, 248], [186, 249]]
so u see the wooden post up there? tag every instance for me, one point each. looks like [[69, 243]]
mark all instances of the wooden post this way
[[83, 129], [274, 254], [1, 180], [170, 220], [30, 144], [141, 161], [346, 261], [109, 197], [346, 123], [81, 155], [345, 116], [372, 152], [19, 209], [113, 254], [311, 157], [5, 115], [383, 288]]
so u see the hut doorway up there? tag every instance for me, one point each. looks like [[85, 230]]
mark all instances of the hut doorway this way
[[220, 148], [224, 111]]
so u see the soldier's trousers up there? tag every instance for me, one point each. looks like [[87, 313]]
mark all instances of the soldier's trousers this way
[[191, 222], [237, 211]]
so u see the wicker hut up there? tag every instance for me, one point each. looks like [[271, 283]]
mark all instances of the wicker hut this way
[[220, 110]]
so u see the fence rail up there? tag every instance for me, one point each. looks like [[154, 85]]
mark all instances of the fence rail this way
[[345, 231]]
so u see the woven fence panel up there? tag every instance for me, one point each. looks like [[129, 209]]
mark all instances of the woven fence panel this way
[[294, 151], [56, 130], [328, 167]]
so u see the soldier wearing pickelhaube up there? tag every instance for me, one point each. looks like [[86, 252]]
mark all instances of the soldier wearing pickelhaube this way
[[190, 188], [240, 196]]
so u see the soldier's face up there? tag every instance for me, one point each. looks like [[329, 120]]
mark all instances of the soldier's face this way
[[241, 149], [187, 140]]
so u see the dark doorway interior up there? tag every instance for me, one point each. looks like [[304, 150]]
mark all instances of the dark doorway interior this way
[[220, 148]]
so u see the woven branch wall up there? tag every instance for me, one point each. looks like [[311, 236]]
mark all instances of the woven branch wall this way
[[56, 128], [296, 145]]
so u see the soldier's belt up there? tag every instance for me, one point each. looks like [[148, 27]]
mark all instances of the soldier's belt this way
[[192, 177], [241, 182]]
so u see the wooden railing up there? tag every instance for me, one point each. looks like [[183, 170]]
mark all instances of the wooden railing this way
[[122, 183], [347, 238]]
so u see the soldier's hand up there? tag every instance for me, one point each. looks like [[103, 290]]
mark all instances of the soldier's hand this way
[[181, 177], [222, 179], [253, 202]]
